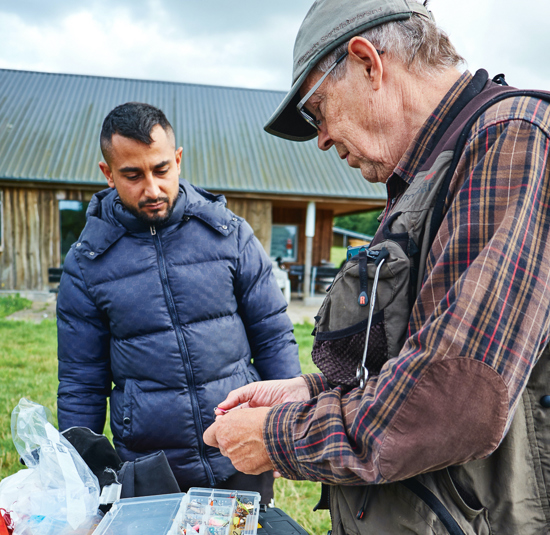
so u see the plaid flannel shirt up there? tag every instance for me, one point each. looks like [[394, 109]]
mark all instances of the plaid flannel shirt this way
[[485, 297]]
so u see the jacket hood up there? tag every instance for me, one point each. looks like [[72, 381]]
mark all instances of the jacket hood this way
[[108, 220]]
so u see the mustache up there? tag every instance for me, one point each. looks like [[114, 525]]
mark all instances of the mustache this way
[[145, 202]]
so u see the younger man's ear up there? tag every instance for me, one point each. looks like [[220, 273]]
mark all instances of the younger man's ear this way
[[106, 170], [178, 159]]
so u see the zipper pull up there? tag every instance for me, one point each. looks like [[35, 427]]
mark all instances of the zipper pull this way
[[363, 299], [361, 513], [153, 230]]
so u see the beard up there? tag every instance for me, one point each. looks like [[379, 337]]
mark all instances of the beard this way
[[153, 219]]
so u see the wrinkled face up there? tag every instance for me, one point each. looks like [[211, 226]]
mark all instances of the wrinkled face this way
[[357, 121], [146, 177]]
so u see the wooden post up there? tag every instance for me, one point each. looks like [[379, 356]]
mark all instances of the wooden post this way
[[310, 233]]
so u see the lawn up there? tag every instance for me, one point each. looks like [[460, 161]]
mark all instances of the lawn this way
[[28, 368], [338, 255]]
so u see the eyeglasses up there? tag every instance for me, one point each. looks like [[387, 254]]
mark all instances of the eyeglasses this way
[[309, 117]]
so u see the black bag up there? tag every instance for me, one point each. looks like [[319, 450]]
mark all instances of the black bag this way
[[150, 475], [147, 476], [97, 452], [274, 521]]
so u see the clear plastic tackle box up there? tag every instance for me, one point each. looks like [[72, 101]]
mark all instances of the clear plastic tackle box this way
[[199, 512]]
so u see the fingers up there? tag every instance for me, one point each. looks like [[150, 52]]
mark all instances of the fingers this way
[[276, 474], [220, 412], [245, 449], [237, 397]]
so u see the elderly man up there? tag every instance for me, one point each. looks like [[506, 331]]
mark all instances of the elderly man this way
[[451, 435]]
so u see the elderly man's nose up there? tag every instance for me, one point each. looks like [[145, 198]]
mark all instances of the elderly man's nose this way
[[324, 141]]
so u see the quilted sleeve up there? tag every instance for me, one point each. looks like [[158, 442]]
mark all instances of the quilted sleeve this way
[[83, 354]]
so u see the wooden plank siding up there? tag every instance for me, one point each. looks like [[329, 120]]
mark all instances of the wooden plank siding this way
[[31, 230], [322, 241], [258, 213], [31, 236]]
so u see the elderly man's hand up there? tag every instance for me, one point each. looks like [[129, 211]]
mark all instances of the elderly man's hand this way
[[239, 436], [265, 394]]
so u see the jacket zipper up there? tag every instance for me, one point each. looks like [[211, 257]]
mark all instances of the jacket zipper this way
[[185, 356]]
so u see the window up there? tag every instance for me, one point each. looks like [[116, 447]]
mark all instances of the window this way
[[284, 242], [1, 220], [72, 218]]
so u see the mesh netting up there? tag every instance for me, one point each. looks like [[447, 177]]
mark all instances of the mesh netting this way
[[338, 359]]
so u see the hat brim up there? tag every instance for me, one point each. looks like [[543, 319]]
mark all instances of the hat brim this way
[[286, 122]]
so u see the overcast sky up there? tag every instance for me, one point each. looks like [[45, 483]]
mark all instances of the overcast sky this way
[[244, 43]]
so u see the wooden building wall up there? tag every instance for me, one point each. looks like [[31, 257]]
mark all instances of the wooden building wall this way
[[31, 231], [31, 236], [322, 242], [258, 213]]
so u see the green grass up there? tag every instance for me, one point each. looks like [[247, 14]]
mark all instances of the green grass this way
[[13, 303], [297, 498], [338, 255], [28, 368]]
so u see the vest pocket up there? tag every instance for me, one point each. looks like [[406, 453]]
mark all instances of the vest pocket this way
[[338, 353], [465, 503], [446, 500]]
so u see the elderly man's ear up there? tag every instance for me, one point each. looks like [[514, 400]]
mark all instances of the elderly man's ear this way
[[364, 52]]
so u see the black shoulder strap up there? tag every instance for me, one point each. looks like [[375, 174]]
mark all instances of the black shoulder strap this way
[[433, 502], [438, 213]]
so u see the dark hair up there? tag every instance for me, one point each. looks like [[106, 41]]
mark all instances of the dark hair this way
[[133, 120]]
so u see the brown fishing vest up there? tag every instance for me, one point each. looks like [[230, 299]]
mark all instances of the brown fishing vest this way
[[363, 323]]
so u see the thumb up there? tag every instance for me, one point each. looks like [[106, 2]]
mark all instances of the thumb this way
[[209, 436]]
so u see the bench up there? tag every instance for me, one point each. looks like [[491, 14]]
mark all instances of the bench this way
[[322, 275], [54, 277]]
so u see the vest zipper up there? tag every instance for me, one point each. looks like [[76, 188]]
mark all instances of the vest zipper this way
[[361, 513], [185, 357]]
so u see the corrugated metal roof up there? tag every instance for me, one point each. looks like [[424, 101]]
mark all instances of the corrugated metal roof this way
[[50, 124]]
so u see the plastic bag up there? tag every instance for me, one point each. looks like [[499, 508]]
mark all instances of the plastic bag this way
[[58, 494]]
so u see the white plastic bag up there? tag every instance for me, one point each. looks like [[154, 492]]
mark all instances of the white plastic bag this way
[[58, 494]]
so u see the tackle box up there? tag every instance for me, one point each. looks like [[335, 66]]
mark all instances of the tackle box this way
[[141, 516], [199, 512], [217, 512]]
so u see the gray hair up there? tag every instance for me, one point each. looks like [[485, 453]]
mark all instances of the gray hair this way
[[417, 42]]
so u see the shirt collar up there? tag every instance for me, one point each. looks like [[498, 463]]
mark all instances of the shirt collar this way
[[420, 148]]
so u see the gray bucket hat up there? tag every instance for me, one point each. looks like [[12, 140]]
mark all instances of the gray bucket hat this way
[[328, 24]]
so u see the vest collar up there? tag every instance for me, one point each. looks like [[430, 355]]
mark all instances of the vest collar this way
[[460, 94]]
